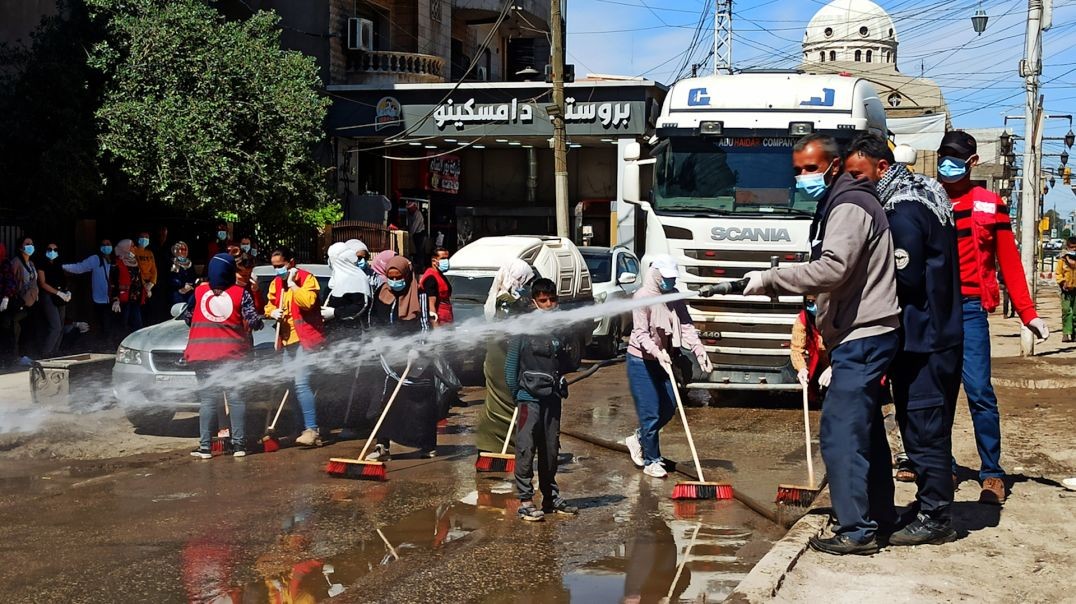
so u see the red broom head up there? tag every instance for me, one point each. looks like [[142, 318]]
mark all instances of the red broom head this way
[[356, 469], [216, 447], [270, 445], [794, 496], [483, 464], [510, 467], [684, 491], [702, 490]]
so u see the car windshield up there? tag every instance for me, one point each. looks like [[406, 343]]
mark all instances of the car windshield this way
[[600, 265], [464, 287], [728, 176]]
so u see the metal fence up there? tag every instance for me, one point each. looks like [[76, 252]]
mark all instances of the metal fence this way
[[377, 237]]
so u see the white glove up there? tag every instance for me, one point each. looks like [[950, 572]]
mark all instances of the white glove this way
[[327, 312], [65, 296], [294, 272], [149, 286], [826, 377], [276, 314], [754, 284], [116, 306], [1039, 328], [3, 304], [663, 357], [803, 376], [705, 364], [412, 356]]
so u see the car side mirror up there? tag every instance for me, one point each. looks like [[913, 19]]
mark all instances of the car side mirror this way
[[627, 278], [178, 309]]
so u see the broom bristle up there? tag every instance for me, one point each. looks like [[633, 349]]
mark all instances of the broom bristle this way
[[353, 468], [796, 496], [270, 445], [495, 462], [702, 490]]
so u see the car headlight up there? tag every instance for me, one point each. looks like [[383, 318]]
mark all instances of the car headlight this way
[[128, 356], [601, 296]]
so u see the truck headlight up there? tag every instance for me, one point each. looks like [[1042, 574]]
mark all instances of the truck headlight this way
[[128, 356]]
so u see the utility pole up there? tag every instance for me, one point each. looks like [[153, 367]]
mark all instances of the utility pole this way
[[723, 37], [560, 144], [1030, 69]]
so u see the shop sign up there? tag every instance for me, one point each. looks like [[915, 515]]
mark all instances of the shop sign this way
[[610, 115], [444, 174], [389, 112]]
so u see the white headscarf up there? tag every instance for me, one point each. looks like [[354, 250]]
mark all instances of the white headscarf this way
[[346, 277], [510, 277], [124, 254]]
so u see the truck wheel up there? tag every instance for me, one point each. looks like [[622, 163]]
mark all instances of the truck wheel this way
[[149, 420]]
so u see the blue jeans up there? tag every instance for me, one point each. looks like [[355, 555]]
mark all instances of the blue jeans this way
[[982, 402], [294, 362], [655, 404], [852, 435], [212, 399]]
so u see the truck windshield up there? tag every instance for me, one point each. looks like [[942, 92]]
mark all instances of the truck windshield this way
[[725, 176]]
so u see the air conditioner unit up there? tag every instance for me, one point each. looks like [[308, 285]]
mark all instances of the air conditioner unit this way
[[482, 74], [360, 34]]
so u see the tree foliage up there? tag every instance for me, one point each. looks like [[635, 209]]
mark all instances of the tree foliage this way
[[207, 114]]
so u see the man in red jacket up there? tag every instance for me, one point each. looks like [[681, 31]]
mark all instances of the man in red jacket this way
[[986, 245]]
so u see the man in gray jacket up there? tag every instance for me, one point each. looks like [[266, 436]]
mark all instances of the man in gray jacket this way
[[852, 274]]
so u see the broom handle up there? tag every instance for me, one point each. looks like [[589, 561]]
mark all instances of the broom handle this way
[[272, 426], [511, 424], [683, 561], [226, 412], [683, 416], [807, 440], [384, 413], [351, 397]]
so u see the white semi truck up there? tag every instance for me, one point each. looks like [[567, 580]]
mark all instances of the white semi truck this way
[[722, 201]]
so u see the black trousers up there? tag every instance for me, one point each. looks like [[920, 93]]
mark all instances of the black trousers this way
[[538, 434], [925, 387]]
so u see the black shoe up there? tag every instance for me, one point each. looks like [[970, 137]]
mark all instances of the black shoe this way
[[924, 531], [528, 513], [840, 545], [561, 507]]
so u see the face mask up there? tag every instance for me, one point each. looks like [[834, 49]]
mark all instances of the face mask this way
[[811, 307], [28, 250], [253, 252], [396, 284], [667, 284], [361, 263], [812, 185], [222, 235], [442, 264], [52, 254], [181, 258], [143, 242], [281, 271], [244, 247], [106, 249], [952, 169]]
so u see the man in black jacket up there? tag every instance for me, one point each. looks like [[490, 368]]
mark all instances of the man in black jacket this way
[[926, 372]]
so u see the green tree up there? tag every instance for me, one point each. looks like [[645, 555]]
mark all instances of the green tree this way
[[207, 114]]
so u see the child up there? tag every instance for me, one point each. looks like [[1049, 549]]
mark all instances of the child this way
[[533, 370], [809, 356], [1066, 280]]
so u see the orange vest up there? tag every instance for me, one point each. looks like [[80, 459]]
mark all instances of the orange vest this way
[[217, 329], [308, 322], [444, 296]]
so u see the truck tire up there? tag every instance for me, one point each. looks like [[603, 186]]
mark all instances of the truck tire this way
[[153, 421]]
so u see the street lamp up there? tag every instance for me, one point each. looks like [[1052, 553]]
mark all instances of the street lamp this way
[[978, 22], [1052, 182], [1064, 158], [1070, 138]]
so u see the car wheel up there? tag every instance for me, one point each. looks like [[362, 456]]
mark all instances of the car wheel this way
[[609, 346], [575, 352], [149, 420]]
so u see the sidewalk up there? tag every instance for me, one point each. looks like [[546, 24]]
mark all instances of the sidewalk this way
[[1022, 552]]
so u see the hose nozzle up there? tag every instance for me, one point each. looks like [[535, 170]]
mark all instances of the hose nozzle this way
[[723, 288]]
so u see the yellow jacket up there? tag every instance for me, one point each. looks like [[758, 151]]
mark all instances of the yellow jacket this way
[[305, 297], [147, 264], [1065, 273]]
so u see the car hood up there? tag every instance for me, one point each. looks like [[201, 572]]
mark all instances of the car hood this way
[[172, 336]]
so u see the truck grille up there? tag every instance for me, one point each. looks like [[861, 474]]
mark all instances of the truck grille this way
[[727, 361], [756, 256]]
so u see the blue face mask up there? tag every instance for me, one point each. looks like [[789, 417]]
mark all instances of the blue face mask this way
[[52, 254], [811, 307], [181, 258], [396, 284], [143, 242], [245, 247], [667, 285], [106, 249], [952, 169], [28, 249], [442, 264], [281, 271], [812, 185], [222, 235], [361, 263]]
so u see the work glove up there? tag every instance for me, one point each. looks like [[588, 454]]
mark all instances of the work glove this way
[[705, 364], [663, 357], [1039, 328], [803, 376], [328, 312], [65, 296], [294, 272], [116, 306], [754, 284], [276, 314], [412, 356], [3, 304], [826, 377]]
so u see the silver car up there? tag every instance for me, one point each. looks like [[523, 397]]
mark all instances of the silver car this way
[[149, 381], [614, 275]]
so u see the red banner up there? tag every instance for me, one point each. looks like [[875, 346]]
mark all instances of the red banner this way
[[443, 174]]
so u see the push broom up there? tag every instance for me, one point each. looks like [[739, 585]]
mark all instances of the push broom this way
[[270, 443], [799, 495], [224, 433], [499, 462], [361, 467], [695, 489]]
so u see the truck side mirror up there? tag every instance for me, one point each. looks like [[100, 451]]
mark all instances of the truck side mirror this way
[[627, 278]]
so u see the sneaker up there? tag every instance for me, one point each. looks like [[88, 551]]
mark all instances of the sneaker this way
[[635, 450], [239, 453], [924, 531], [561, 507], [840, 545], [1069, 483], [655, 470], [432, 453], [380, 453], [202, 454], [309, 438], [993, 492], [528, 513]]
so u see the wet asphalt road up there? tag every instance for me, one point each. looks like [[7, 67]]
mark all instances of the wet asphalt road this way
[[168, 528]]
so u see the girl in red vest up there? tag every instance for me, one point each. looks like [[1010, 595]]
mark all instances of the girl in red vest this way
[[438, 289], [809, 356], [128, 291], [221, 317]]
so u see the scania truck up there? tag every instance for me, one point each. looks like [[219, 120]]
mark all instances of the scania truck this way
[[721, 199]]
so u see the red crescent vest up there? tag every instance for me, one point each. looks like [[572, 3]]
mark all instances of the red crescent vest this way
[[308, 322], [123, 280], [216, 340], [444, 295]]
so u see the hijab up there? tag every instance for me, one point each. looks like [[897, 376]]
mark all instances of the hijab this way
[[509, 278], [408, 304], [347, 278], [380, 262], [177, 264], [124, 254], [665, 317], [221, 271]]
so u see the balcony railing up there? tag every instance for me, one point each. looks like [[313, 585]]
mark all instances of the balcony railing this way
[[419, 67]]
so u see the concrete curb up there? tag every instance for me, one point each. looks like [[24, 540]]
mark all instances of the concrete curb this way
[[1028, 384], [765, 579]]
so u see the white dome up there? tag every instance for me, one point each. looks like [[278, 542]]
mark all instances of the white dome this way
[[850, 20]]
